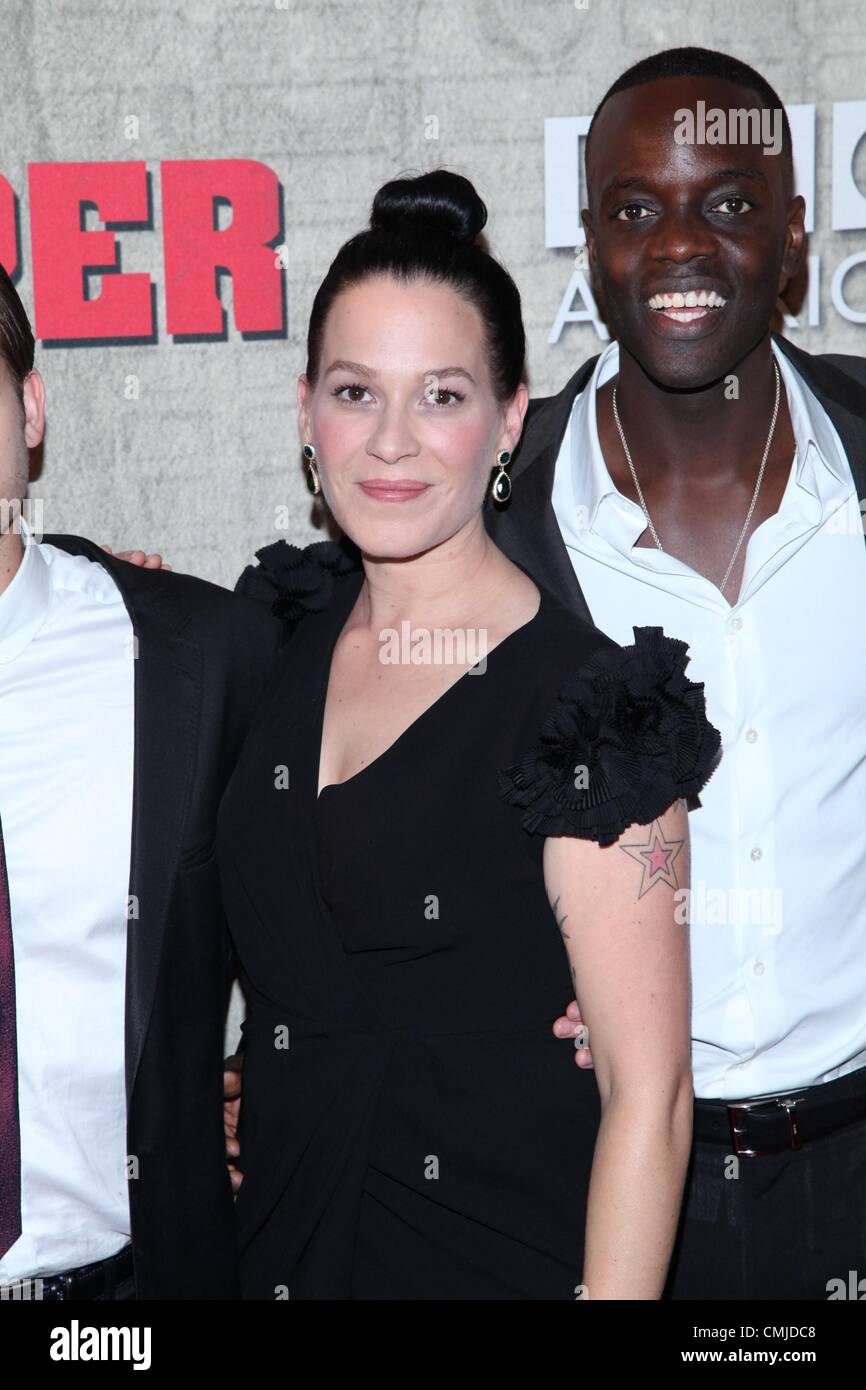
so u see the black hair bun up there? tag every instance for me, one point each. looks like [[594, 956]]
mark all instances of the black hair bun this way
[[439, 201]]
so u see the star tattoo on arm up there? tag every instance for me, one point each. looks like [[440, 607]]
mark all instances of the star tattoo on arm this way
[[656, 856]]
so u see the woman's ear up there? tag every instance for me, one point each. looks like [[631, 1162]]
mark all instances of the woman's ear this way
[[513, 422], [305, 391]]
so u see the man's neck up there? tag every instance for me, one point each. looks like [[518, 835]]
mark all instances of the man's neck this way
[[711, 434], [11, 555], [698, 456]]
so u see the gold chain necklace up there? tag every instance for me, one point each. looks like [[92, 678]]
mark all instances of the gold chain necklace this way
[[655, 534]]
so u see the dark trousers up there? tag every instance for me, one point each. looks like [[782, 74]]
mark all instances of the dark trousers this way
[[786, 1227], [122, 1291]]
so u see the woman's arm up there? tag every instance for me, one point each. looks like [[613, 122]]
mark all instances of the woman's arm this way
[[628, 946]]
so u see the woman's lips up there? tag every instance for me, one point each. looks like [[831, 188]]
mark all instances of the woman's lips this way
[[393, 492]]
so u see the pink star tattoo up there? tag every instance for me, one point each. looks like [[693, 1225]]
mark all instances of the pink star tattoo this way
[[656, 857]]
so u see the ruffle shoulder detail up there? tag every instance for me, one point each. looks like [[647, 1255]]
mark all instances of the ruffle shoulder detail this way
[[627, 737], [296, 580]]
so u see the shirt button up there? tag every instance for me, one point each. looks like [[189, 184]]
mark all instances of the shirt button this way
[[758, 967], [742, 1066], [736, 624], [751, 735], [756, 854]]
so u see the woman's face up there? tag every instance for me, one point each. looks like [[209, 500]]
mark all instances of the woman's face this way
[[403, 416]]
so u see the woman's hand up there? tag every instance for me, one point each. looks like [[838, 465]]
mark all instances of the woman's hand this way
[[152, 561]]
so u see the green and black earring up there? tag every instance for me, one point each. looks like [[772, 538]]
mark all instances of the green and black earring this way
[[312, 476], [501, 489]]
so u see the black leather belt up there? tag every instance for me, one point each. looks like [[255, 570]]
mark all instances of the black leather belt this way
[[772, 1124], [98, 1280]]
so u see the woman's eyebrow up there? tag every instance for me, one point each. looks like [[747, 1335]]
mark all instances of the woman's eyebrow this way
[[343, 364], [451, 371]]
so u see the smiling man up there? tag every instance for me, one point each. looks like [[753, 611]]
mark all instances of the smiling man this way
[[702, 474]]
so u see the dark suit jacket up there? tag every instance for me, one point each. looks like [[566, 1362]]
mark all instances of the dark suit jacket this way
[[203, 658], [526, 527]]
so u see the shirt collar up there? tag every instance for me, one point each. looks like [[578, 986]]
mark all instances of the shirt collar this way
[[25, 601], [819, 452]]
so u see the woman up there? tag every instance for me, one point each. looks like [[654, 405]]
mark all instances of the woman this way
[[414, 847]]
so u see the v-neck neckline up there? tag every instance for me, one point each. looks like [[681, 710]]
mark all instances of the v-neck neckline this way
[[420, 718]]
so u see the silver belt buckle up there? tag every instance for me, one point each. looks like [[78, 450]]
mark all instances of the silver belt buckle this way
[[767, 1104]]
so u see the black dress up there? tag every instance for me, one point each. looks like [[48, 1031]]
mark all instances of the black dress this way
[[411, 1128]]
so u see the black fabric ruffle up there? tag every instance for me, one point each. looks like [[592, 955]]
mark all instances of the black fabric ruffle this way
[[296, 581], [631, 716]]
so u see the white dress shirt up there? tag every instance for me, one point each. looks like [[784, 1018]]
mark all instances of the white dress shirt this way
[[778, 877], [66, 759]]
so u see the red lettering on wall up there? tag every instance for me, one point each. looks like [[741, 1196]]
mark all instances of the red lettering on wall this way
[[8, 238], [62, 251], [195, 249]]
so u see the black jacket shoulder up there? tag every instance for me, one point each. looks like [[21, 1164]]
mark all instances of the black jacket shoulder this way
[[193, 606], [847, 363]]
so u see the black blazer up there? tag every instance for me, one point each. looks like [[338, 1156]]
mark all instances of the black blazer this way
[[203, 658], [526, 527]]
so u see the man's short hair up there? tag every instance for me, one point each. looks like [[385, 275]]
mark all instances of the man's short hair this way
[[17, 344], [704, 62]]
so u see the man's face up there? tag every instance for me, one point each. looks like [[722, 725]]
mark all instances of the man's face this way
[[665, 218]]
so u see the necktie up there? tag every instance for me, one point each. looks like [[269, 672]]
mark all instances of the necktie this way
[[10, 1137]]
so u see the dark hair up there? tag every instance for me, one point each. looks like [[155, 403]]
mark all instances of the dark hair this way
[[427, 228], [16, 336], [704, 62]]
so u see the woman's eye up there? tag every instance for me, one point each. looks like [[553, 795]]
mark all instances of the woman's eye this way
[[734, 198], [435, 394], [352, 387], [632, 207]]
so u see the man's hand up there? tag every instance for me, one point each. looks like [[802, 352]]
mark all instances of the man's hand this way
[[152, 561], [571, 1025], [232, 1069]]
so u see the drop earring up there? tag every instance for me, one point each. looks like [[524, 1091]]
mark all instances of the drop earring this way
[[313, 483], [501, 489]]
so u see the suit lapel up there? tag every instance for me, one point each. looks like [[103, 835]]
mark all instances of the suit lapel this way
[[168, 677], [526, 528], [844, 400]]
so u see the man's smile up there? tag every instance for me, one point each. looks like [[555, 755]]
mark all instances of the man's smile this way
[[683, 308], [687, 305]]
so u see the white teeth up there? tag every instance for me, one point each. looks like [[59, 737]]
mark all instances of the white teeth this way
[[693, 299]]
